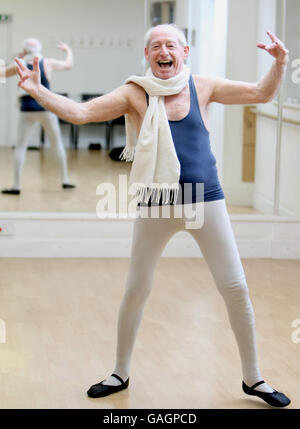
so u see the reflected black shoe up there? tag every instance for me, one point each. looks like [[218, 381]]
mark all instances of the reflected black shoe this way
[[99, 390], [11, 191], [275, 399], [68, 186]]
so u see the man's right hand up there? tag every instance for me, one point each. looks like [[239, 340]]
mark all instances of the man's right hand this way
[[29, 79]]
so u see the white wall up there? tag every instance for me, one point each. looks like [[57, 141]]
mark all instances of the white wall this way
[[208, 19], [84, 235], [96, 70], [242, 55], [292, 38], [266, 132]]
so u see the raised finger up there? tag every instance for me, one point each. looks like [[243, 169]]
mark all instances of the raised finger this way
[[20, 64], [36, 64], [20, 72], [272, 36]]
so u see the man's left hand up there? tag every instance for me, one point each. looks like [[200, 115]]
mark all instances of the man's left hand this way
[[63, 46], [276, 49]]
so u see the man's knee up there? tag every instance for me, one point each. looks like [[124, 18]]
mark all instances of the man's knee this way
[[137, 291], [237, 289]]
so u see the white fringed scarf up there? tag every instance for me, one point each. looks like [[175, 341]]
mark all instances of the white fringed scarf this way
[[155, 170]]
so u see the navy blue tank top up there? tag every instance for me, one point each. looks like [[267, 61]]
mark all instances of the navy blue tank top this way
[[29, 104], [197, 162]]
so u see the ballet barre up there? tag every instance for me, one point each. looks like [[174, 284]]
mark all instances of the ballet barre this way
[[269, 116]]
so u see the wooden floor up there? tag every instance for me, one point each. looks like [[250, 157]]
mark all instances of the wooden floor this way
[[41, 187], [61, 317]]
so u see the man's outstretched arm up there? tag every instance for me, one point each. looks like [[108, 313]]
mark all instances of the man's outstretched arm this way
[[227, 91], [9, 69], [59, 65], [100, 109]]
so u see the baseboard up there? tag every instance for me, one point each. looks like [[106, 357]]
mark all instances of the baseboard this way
[[83, 235], [266, 205]]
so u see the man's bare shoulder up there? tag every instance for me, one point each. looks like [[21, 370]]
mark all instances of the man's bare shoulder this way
[[134, 90], [203, 80], [49, 63], [136, 96], [48, 60], [204, 85]]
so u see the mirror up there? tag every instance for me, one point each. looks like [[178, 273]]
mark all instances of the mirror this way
[[288, 175], [162, 12], [107, 43]]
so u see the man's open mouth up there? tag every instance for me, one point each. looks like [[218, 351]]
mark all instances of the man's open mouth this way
[[165, 64]]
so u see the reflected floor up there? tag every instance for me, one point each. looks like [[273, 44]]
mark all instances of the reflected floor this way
[[41, 187]]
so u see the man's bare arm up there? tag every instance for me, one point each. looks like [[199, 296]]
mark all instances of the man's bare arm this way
[[59, 65], [100, 109], [226, 91], [10, 71]]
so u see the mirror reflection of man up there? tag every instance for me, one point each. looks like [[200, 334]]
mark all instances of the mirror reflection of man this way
[[168, 109], [31, 112]]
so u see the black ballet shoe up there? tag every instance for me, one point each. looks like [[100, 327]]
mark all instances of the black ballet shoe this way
[[275, 399], [68, 186], [11, 191], [99, 390]]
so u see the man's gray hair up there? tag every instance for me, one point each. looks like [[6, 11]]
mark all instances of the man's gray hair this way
[[180, 34], [31, 45]]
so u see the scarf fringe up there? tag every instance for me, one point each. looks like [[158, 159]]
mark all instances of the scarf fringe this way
[[169, 194], [127, 154]]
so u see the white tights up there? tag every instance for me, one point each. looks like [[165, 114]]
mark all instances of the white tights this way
[[50, 124], [217, 243]]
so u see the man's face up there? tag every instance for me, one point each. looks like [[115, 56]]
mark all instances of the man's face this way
[[165, 54]]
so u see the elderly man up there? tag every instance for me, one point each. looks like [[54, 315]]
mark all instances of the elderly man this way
[[168, 110], [31, 112]]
